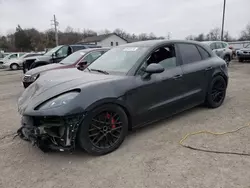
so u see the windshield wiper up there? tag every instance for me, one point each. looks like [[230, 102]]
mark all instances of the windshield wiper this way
[[101, 71]]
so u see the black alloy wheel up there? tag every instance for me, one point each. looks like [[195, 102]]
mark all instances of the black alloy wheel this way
[[216, 92], [103, 130]]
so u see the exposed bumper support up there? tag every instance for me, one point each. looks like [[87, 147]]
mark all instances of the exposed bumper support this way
[[49, 135]]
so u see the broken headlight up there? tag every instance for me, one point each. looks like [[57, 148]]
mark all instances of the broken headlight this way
[[58, 101]]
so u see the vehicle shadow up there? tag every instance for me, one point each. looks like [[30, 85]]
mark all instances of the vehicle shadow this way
[[81, 154]]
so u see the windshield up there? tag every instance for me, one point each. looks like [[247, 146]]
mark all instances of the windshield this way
[[119, 59], [72, 58], [49, 53], [247, 46]]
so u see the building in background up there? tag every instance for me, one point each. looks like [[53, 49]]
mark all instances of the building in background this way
[[107, 40]]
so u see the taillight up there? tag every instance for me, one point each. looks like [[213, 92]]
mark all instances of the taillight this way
[[230, 47]]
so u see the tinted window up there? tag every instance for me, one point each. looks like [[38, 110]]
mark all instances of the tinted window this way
[[189, 53], [111, 43], [76, 48], [203, 52]]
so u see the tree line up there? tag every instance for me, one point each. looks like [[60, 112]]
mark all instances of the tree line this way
[[30, 39], [215, 34]]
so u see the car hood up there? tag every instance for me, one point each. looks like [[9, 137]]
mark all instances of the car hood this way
[[55, 82], [44, 68]]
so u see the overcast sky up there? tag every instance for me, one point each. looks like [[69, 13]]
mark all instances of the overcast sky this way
[[180, 17]]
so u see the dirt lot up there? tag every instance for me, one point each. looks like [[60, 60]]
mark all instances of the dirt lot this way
[[149, 157]]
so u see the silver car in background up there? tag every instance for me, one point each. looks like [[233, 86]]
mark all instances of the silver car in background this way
[[17, 63], [221, 49]]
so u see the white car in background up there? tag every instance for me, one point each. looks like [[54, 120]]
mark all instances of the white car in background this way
[[221, 49], [10, 57], [17, 63]]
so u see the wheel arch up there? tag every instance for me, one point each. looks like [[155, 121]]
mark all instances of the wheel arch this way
[[219, 73]]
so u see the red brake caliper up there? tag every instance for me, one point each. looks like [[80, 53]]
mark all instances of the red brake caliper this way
[[112, 121]]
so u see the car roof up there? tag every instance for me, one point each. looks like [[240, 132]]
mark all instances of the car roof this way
[[92, 49], [152, 43]]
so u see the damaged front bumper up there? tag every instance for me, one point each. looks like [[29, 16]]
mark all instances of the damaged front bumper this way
[[51, 132]]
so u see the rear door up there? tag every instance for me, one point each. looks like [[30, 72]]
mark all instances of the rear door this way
[[194, 68]]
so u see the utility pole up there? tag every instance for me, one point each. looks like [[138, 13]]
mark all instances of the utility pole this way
[[223, 20], [55, 24]]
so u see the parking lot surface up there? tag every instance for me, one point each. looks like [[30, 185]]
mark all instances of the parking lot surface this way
[[149, 157]]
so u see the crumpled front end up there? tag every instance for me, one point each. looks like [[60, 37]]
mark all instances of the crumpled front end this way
[[51, 132]]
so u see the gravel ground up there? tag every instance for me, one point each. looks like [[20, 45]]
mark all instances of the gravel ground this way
[[149, 157]]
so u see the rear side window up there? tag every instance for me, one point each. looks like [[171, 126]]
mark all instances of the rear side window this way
[[189, 53], [203, 52]]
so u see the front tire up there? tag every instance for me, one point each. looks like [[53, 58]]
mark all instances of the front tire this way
[[216, 92], [14, 66], [103, 129]]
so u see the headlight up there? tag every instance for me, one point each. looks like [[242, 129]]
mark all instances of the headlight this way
[[30, 78], [58, 101]]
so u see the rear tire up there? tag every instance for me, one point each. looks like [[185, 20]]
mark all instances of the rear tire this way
[[103, 129], [216, 92]]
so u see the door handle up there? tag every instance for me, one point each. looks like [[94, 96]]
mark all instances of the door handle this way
[[208, 68], [177, 76]]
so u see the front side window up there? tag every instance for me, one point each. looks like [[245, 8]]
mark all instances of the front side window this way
[[119, 59], [92, 57], [63, 52], [73, 58], [189, 53], [13, 56], [164, 56]]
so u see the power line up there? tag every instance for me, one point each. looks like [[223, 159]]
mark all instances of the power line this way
[[223, 20], [55, 23]]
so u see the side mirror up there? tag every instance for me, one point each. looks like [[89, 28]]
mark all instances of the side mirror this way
[[81, 65], [153, 68]]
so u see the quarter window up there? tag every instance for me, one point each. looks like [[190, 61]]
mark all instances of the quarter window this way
[[189, 53], [203, 52]]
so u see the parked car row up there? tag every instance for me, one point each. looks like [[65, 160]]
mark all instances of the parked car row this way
[[109, 92], [54, 55]]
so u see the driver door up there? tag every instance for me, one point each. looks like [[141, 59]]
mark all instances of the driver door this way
[[160, 95]]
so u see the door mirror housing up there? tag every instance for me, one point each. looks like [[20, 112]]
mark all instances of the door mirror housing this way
[[154, 68], [81, 65]]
